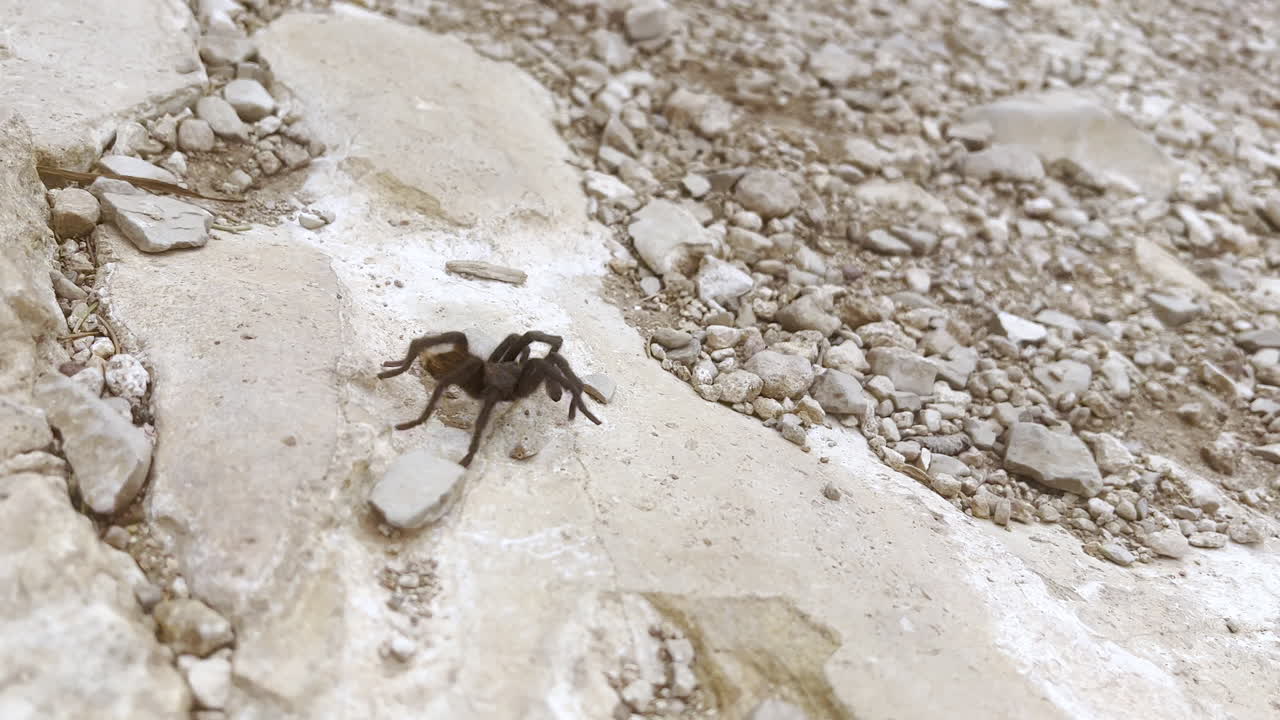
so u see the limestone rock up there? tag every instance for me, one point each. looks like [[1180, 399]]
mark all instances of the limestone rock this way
[[70, 626], [126, 377], [774, 709], [1174, 310], [22, 429], [1169, 543], [739, 386], [835, 65], [134, 167], [109, 455], [416, 490], [720, 282], [806, 313], [222, 118], [1064, 376], [195, 135], [75, 212], [1069, 125], [251, 101], [846, 357], [225, 48], [78, 70], [156, 223], [648, 20], [907, 370], [210, 679], [1050, 458], [599, 386], [840, 394], [783, 375], [189, 626], [1004, 162], [768, 193], [668, 237], [1020, 330], [1255, 340]]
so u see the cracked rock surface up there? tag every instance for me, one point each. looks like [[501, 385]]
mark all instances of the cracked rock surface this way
[[907, 351]]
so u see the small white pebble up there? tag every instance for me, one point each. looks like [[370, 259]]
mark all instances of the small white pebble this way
[[401, 647], [311, 221]]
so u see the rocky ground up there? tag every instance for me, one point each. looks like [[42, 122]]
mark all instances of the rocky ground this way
[[937, 346]]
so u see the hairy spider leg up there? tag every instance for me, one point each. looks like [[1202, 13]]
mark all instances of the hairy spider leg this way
[[490, 399], [535, 371], [416, 347], [574, 385], [512, 347], [458, 376]]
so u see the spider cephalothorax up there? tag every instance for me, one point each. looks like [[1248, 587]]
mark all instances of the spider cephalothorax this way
[[509, 374]]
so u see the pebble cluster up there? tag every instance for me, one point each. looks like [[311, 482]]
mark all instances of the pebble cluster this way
[[662, 684], [1039, 287]]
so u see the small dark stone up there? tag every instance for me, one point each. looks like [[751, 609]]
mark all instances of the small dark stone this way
[[70, 368]]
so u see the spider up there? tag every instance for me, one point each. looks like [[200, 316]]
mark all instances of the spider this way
[[508, 375]]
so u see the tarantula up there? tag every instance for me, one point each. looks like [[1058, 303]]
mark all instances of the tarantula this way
[[508, 375]]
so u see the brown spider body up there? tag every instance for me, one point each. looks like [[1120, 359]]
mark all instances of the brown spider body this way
[[508, 375]]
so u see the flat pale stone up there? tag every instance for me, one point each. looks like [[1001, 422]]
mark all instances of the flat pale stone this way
[[416, 490], [1055, 459], [109, 454]]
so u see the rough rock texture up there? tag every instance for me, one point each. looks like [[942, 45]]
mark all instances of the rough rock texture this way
[[75, 212], [577, 582], [784, 376], [110, 457], [70, 627], [1070, 125], [74, 93], [416, 490], [286, 327], [156, 223], [668, 238], [251, 101], [1055, 459], [71, 632], [191, 627]]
